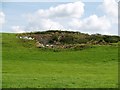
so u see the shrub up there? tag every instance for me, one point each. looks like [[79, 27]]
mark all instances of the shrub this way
[[67, 39]]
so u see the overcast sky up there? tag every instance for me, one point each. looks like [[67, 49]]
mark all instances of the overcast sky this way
[[99, 16]]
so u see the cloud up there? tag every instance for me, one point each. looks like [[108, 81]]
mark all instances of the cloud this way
[[110, 7], [70, 17], [43, 24], [96, 24], [73, 10], [2, 18], [91, 24], [18, 29], [55, 17], [106, 24]]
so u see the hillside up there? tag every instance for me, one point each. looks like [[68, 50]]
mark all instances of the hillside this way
[[26, 66]]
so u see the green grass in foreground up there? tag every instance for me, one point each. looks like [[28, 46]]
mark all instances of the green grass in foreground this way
[[25, 66]]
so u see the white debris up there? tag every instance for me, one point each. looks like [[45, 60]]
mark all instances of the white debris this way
[[47, 45], [51, 45], [26, 37]]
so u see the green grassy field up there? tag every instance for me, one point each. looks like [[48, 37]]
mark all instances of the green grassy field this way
[[24, 66]]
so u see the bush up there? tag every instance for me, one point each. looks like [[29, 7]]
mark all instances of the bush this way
[[53, 39], [111, 39], [67, 39]]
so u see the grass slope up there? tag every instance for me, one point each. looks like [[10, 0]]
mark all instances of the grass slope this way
[[25, 66]]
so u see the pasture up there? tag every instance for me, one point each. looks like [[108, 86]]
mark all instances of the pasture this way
[[25, 66]]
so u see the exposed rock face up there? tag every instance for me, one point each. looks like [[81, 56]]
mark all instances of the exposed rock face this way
[[44, 39]]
